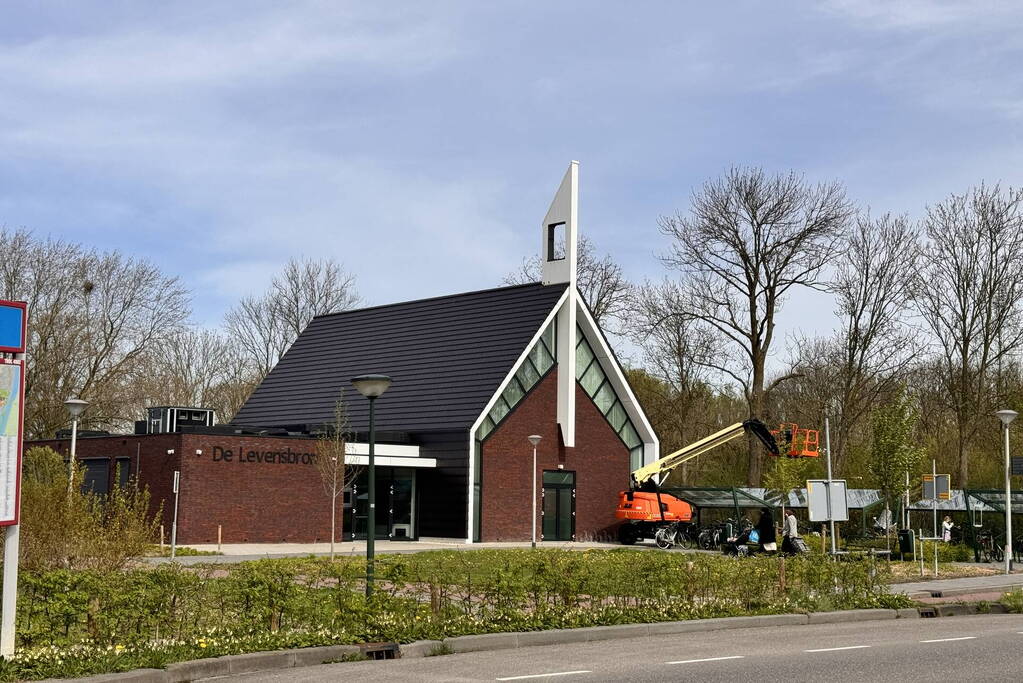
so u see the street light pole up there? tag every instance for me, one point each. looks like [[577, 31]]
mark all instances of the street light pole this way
[[535, 440], [1007, 416], [831, 513], [74, 406], [371, 386]]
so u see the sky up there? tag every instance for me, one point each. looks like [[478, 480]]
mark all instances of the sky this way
[[420, 143]]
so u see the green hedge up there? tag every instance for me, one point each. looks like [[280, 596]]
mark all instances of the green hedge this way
[[76, 623]]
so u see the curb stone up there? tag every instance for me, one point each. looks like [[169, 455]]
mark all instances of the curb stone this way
[[180, 672], [849, 616], [420, 648]]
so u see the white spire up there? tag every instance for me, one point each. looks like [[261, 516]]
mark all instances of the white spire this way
[[560, 230], [559, 253]]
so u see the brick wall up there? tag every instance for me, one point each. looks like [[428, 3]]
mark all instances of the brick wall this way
[[253, 500], [599, 459]]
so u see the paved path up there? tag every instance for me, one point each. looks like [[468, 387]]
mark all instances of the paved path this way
[[962, 586], [242, 552], [978, 648]]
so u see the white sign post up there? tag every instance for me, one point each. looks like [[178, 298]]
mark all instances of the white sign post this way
[[13, 333], [827, 500], [174, 524]]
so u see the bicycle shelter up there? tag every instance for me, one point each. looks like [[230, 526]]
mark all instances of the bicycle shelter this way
[[709, 497], [972, 502]]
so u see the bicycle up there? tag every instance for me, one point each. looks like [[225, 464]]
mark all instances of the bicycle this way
[[990, 551], [674, 534]]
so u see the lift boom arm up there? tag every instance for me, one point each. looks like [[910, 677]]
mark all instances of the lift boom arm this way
[[673, 460]]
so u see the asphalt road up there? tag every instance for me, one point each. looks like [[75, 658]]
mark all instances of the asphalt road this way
[[975, 648]]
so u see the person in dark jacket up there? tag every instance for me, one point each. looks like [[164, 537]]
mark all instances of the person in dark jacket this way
[[765, 527]]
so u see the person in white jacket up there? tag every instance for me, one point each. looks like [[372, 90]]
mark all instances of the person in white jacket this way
[[789, 532], [946, 529]]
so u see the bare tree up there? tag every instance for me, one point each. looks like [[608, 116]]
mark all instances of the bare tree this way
[[335, 475], [970, 288], [267, 325], [748, 239], [673, 344], [601, 281], [198, 367], [847, 373], [95, 320]]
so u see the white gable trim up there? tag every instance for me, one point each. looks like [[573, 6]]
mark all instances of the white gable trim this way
[[611, 368], [470, 518]]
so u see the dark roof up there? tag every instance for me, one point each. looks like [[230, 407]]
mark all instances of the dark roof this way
[[446, 357]]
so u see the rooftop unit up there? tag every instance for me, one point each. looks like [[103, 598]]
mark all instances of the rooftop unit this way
[[169, 419]]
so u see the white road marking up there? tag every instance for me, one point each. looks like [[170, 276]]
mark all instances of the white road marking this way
[[560, 673], [708, 659], [947, 640], [835, 649]]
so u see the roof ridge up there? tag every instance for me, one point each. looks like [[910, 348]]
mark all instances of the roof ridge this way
[[438, 298]]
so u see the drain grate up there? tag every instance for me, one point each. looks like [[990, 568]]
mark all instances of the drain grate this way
[[381, 650], [936, 594], [928, 612]]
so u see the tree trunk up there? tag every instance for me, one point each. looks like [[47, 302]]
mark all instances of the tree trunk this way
[[333, 520]]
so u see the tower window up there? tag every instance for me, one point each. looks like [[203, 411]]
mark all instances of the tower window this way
[[556, 242]]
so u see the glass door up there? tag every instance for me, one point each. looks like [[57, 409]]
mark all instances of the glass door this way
[[395, 504], [558, 509]]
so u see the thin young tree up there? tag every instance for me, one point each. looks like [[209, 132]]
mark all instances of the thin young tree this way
[[335, 474], [894, 450], [748, 240], [970, 295]]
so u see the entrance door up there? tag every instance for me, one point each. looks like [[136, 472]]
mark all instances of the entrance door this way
[[558, 506], [395, 504]]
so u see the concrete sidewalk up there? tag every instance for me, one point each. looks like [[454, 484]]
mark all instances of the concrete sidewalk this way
[[242, 552]]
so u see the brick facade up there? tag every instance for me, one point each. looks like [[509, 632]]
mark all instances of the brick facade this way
[[255, 499], [600, 461]]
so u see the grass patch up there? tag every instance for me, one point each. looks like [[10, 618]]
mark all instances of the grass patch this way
[[440, 650], [1013, 601], [181, 551]]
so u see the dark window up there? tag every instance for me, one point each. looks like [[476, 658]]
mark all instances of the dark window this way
[[123, 471], [97, 475]]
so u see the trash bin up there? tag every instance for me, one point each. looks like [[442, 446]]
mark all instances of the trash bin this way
[[906, 539]]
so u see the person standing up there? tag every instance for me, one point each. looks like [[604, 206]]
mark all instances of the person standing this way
[[946, 529], [765, 527], [789, 533]]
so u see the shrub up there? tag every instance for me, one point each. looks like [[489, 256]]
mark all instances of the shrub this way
[[81, 622], [85, 530], [1013, 601]]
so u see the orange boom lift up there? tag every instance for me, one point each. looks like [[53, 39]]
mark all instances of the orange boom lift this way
[[645, 508]]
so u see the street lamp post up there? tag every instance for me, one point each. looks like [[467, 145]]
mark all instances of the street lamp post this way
[[372, 387], [74, 406], [1007, 416], [535, 440]]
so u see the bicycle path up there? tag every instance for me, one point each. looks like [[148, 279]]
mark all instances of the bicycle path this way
[[961, 586]]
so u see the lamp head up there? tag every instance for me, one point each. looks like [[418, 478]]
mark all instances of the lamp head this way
[[1006, 416], [534, 439], [371, 386], [75, 406]]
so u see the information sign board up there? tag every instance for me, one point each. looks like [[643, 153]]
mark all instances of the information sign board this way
[[937, 487], [12, 408], [827, 500], [12, 326]]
